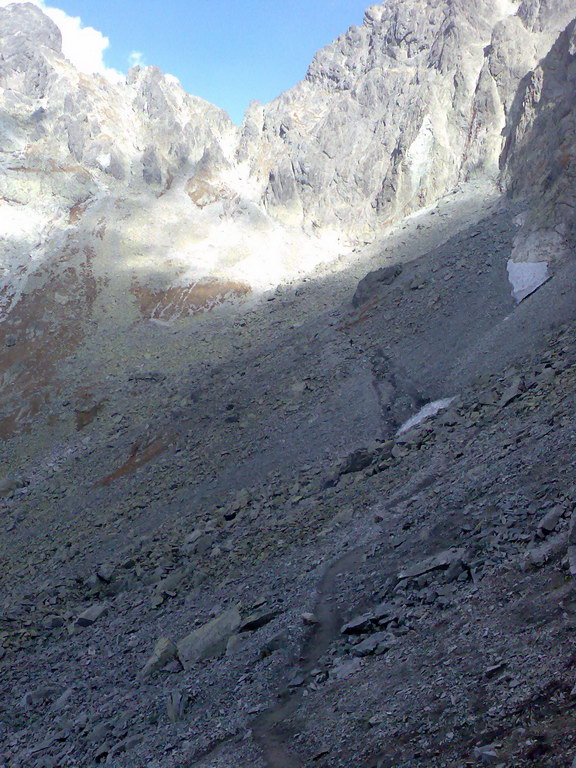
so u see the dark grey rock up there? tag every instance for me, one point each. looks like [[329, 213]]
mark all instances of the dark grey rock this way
[[176, 705], [358, 624], [550, 520], [257, 620], [277, 642], [91, 615], [437, 562], [39, 695], [371, 285], [375, 645]]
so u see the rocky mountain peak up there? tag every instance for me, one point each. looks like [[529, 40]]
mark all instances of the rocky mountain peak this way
[[30, 26], [28, 40]]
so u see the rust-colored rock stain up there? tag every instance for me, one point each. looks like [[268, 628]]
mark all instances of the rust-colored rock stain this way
[[171, 303], [42, 330], [139, 456]]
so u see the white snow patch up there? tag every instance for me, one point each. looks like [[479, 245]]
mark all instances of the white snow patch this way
[[526, 276], [430, 409]]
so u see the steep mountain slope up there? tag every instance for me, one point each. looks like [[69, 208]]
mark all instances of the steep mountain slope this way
[[125, 203], [219, 547], [266, 473]]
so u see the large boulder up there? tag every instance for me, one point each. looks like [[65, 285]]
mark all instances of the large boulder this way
[[210, 639]]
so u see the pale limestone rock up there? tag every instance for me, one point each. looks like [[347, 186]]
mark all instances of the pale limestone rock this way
[[210, 639], [164, 652], [396, 112]]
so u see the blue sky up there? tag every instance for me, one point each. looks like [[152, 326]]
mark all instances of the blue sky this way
[[225, 51]]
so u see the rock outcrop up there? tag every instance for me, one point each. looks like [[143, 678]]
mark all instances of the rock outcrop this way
[[389, 117], [144, 130], [539, 158], [396, 112]]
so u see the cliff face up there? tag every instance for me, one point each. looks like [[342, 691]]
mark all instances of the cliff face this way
[[539, 157], [70, 141], [389, 117], [396, 112]]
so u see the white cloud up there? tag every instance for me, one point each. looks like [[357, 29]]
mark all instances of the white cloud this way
[[136, 59], [83, 46]]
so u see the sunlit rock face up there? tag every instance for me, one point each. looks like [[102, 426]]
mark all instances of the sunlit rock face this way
[[98, 232], [396, 112], [144, 130], [71, 141], [380, 124]]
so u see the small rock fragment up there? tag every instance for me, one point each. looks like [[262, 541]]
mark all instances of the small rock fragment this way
[[494, 670], [358, 624], [436, 562], [39, 695], [91, 615], [235, 643], [10, 484], [105, 572], [257, 620], [487, 754], [176, 706], [385, 613], [454, 570], [168, 585], [511, 393], [53, 622], [343, 669], [572, 560], [297, 681], [376, 645], [550, 520], [62, 700], [123, 746], [276, 643], [325, 750], [371, 284]]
